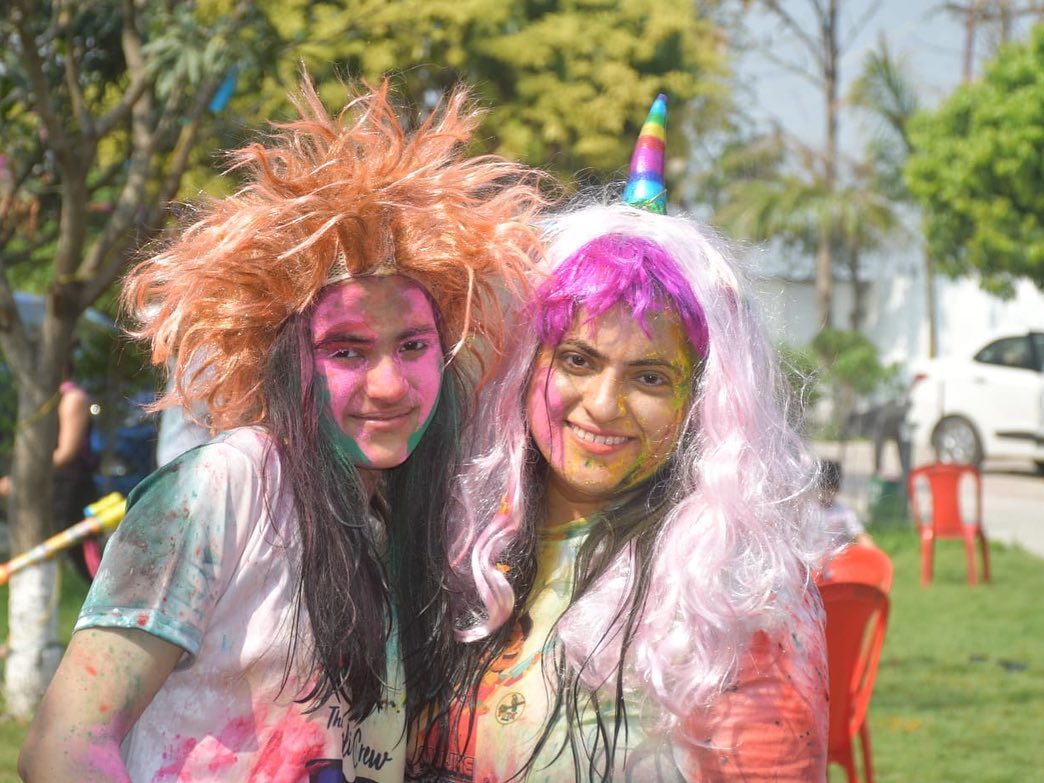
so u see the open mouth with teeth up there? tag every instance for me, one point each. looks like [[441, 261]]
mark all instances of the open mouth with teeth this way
[[601, 440]]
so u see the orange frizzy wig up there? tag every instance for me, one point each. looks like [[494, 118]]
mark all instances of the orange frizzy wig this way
[[327, 199]]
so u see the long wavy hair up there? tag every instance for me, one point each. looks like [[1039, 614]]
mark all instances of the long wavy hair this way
[[672, 584], [227, 303]]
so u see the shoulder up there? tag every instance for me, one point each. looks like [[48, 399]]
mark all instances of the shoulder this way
[[255, 445], [243, 460], [72, 395]]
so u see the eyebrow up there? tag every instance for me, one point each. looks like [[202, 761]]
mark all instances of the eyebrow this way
[[589, 349], [335, 336]]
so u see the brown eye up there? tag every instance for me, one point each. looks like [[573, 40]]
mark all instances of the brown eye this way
[[414, 346], [653, 379], [573, 360]]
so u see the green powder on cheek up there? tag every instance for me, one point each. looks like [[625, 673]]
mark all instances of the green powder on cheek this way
[[414, 439]]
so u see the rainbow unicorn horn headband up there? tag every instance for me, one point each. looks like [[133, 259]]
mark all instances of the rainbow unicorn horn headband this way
[[645, 186]]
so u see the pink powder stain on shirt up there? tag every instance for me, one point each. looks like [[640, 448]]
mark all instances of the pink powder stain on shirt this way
[[177, 756], [286, 750], [235, 736]]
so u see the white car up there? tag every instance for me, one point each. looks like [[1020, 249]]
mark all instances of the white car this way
[[985, 407]]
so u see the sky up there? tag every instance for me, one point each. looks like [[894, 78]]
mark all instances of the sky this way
[[929, 41]]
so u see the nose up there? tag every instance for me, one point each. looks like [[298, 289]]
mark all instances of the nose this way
[[602, 398], [386, 381]]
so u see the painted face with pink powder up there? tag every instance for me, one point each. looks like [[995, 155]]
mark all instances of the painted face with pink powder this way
[[376, 348], [606, 406]]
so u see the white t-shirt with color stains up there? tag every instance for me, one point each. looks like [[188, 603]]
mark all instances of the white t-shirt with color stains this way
[[208, 559]]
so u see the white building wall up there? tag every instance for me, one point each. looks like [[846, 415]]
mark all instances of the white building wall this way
[[895, 313]]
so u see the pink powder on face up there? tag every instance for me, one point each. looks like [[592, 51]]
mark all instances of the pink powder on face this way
[[545, 419], [376, 348]]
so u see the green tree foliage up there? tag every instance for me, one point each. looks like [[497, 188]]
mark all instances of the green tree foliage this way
[[885, 92], [568, 82], [850, 367], [849, 359], [978, 171]]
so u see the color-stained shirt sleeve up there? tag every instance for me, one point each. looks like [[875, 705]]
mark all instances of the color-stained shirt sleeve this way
[[173, 554], [772, 724]]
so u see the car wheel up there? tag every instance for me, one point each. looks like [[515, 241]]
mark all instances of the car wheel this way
[[955, 440]]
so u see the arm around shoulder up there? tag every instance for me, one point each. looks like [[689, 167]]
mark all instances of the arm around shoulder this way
[[107, 677]]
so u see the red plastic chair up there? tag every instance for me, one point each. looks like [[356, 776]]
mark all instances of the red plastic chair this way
[[953, 510], [856, 619], [861, 564]]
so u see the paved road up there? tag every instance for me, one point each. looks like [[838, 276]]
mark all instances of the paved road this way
[[1013, 493]]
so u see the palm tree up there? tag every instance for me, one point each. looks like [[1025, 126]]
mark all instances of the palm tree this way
[[886, 92], [764, 201]]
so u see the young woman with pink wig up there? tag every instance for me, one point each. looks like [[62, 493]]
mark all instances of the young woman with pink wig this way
[[638, 531]]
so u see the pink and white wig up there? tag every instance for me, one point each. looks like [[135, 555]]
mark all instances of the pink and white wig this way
[[734, 551]]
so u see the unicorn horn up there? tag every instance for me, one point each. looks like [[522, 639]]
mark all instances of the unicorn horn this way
[[645, 187]]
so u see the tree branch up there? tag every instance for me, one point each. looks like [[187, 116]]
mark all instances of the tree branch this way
[[859, 24], [44, 101], [106, 261], [106, 258], [72, 79], [792, 26], [132, 49]]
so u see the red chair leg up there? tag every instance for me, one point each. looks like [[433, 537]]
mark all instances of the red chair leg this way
[[850, 769], [969, 553], [868, 765], [927, 545]]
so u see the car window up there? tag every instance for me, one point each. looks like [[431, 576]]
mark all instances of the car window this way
[[1009, 352], [1037, 339]]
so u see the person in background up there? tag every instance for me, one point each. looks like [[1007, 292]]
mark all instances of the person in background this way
[[840, 520], [640, 529], [72, 458], [254, 609]]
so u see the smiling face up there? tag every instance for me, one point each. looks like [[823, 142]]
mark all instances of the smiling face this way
[[377, 351], [606, 406]]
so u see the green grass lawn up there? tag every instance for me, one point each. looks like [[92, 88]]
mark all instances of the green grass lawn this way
[[960, 690]]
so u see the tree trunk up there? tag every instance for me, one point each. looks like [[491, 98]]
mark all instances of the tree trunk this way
[[831, 85], [929, 303], [824, 282], [34, 650]]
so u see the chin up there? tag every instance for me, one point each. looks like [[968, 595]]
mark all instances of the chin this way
[[385, 460]]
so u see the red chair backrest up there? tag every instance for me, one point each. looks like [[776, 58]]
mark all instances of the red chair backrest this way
[[956, 497], [856, 619], [866, 565]]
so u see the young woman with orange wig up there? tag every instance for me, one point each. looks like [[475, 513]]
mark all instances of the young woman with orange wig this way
[[254, 610]]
